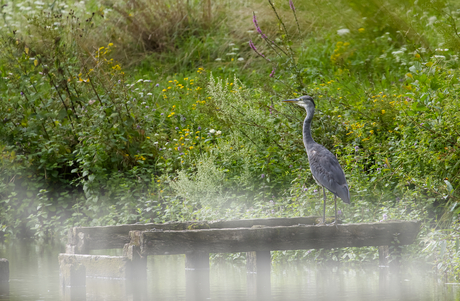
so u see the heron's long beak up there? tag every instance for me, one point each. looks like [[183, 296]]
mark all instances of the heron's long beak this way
[[291, 100]]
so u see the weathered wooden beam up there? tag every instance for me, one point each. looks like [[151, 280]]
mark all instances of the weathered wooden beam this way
[[75, 267], [278, 238], [83, 239]]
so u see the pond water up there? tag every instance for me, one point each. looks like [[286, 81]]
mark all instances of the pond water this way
[[34, 275]]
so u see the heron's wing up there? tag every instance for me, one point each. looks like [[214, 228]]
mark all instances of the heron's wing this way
[[327, 171]]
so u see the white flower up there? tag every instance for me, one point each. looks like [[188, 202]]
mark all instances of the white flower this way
[[231, 44], [396, 53], [212, 131], [149, 93], [218, 132], [431, 20], [442, 57], [343, 31], [91, 101], [155, 142], [240, 59], [231, 53], [218, 59], [140, 81], [234, 49]]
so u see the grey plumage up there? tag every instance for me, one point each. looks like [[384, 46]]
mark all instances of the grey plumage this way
[[324, 166]]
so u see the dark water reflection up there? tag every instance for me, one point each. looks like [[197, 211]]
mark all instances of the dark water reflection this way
[[34, 275]]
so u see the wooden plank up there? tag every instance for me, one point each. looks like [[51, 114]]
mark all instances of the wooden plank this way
[[115, 267], [83, 239], [278, 238]]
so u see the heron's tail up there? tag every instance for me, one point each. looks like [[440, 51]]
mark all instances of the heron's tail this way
[[344, 193]]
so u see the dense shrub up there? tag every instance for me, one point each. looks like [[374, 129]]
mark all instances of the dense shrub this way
[[86, 141]]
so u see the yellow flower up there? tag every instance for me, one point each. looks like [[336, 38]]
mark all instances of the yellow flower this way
[[191, 147], [161, 191], [383, 111], [371, 131], [148, 137], [361, 30], [417, 55]]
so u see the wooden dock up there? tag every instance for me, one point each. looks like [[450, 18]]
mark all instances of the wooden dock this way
[[198, 238]]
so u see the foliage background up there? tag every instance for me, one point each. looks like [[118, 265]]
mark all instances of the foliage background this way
[[119, 112]]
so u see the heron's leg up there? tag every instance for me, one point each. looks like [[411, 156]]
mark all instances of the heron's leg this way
[[335, 201], [324, 207]]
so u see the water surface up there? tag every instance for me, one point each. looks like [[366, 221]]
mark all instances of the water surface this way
[[34, 275]]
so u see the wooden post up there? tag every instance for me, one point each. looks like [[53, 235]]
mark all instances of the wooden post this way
[[4, 277], [132, 250], [197, 261], [5, 290], [396, 257], [258, 266], [77, 242], [73, 293], [390, 257], [197, 276], [384, 254], [72, 273], [4, 270], [258, 262]]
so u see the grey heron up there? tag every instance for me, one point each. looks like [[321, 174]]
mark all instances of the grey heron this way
[[324, 166]]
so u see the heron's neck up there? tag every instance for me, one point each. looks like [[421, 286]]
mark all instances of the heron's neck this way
[[307, 138]]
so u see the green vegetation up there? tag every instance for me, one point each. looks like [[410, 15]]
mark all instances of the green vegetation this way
[[155, 111]]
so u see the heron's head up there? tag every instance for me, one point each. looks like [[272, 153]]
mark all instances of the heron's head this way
[[305, 101]]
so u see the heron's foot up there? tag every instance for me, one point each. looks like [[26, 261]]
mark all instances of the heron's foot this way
[[321, 221], [335, 223]]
